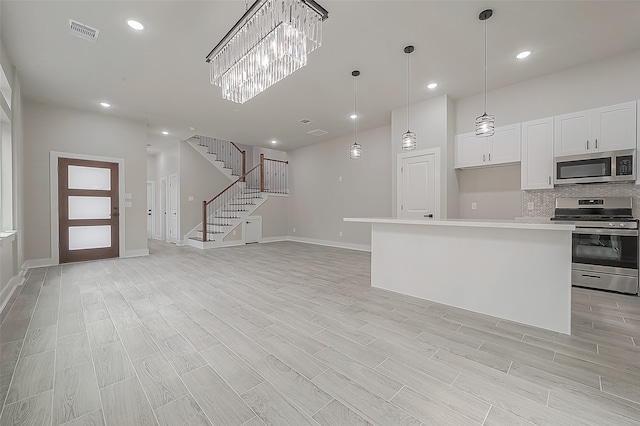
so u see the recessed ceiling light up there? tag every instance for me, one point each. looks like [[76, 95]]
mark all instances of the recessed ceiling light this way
[[105, 104], [524, 54], [354, 116], [274, 142], [432, 85], [135, 25], [164, 132]]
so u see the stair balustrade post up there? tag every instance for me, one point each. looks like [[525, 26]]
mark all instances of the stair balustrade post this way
[[244, 165], [261, 172], [204, 221]]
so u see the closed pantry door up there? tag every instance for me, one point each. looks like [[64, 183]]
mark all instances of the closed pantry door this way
[[418, 187], [88, 207]]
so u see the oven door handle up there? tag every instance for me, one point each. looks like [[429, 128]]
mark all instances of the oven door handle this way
[[622, 232]]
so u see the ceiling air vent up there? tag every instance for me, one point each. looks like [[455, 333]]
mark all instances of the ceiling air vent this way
[[83, 31], [305, 121], [317, 132]]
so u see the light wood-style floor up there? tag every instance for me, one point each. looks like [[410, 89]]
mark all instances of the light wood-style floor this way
[[293, 334]]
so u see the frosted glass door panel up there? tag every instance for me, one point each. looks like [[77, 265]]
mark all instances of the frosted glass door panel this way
[[81, 177], [89, 207], [89, 237]]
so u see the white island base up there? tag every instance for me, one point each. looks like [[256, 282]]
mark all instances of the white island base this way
[[511, 270]]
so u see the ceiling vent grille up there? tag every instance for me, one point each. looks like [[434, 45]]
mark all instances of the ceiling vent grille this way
[[83, 31], [317, 132], [305, 121]]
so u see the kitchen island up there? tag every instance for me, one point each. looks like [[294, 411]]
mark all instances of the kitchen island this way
[[507, 269]]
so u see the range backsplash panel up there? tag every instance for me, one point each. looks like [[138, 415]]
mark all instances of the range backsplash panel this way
[[544, 199]]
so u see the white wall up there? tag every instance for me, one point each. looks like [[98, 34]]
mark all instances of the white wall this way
[[494, 190], [12, 250], [319, 200], [55, 128], [598, 84], [430, 121], [275, 217], [198, 179]]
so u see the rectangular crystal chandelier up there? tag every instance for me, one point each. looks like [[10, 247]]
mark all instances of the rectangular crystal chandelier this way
[[269, 42]]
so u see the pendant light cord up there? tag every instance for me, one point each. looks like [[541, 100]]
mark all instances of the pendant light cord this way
[[485, 67], [355, 109], [408, 85]]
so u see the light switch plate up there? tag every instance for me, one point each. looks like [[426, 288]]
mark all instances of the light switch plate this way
[[474, 206]]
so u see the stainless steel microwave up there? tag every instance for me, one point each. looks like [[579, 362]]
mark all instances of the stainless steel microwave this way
[[597, 167]]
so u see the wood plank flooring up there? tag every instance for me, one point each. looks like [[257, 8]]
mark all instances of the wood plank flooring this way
[[293, 334]]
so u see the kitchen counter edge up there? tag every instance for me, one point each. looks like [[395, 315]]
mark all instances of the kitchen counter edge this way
[[507, 224]]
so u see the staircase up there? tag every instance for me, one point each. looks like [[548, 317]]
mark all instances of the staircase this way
[[224, 155], [225, 212]]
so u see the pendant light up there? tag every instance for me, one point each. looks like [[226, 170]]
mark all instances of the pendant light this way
[[485, 123], [409, 138], [355, 150]]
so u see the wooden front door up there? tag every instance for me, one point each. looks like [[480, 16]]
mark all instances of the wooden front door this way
[[88, 210]]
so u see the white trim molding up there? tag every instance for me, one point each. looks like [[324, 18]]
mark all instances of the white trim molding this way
[[135, 253], [11, 287], [337, 244], [38, 263]]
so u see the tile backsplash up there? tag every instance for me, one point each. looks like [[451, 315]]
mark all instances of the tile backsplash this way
[[544, 199]]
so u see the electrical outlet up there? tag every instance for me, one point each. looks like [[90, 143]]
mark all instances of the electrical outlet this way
[[339, 178], [341, 233], [530, 205], [474, 206], [190, 198], [294, 230]]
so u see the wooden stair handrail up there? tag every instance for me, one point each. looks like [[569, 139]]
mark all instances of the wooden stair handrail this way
[[277, 161], [240, 179]]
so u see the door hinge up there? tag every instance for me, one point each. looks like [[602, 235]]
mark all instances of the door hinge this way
[[401, 206]]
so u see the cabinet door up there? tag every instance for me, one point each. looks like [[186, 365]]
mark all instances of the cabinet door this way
[[573, 134], [471, 151], [614, 127], [504, 145], [537, 154]]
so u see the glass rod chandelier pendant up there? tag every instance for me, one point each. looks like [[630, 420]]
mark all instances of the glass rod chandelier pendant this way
[[355, 150], [269, 42], [409, 138], [485, 124]]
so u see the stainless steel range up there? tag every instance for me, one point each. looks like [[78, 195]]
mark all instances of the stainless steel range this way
[[605, 242]]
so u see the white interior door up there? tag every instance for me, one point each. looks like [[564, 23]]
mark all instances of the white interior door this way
[[419, 185], [173, 208], [163, 209], [252, 230], [151, 198]]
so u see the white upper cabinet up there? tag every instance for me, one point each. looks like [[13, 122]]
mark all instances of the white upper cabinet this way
[[501, 148], [602, 129], [537, 154]]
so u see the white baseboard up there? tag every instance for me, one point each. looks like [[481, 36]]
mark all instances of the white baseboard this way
[[350, 246], [6, 294], [37, 263], [135, 253], [274, 239]]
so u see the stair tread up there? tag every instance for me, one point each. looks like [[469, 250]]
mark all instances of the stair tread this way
[[211, 232]]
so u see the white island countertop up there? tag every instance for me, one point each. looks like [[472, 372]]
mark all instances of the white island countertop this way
[[477, 223]]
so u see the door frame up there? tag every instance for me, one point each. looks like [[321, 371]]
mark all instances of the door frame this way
[[399, 190], [153, 208], [162, 208], [53, 179], [178, 240], [244, 227]]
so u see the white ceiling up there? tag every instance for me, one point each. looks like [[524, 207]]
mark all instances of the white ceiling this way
[[160, 76]]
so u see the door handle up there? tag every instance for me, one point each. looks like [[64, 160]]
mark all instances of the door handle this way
[[596, 143], [591, 276], [587, 144], [489, 156], [428, 215]]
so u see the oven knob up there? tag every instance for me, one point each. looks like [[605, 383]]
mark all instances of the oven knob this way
[[610, 224], [622, 225]]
